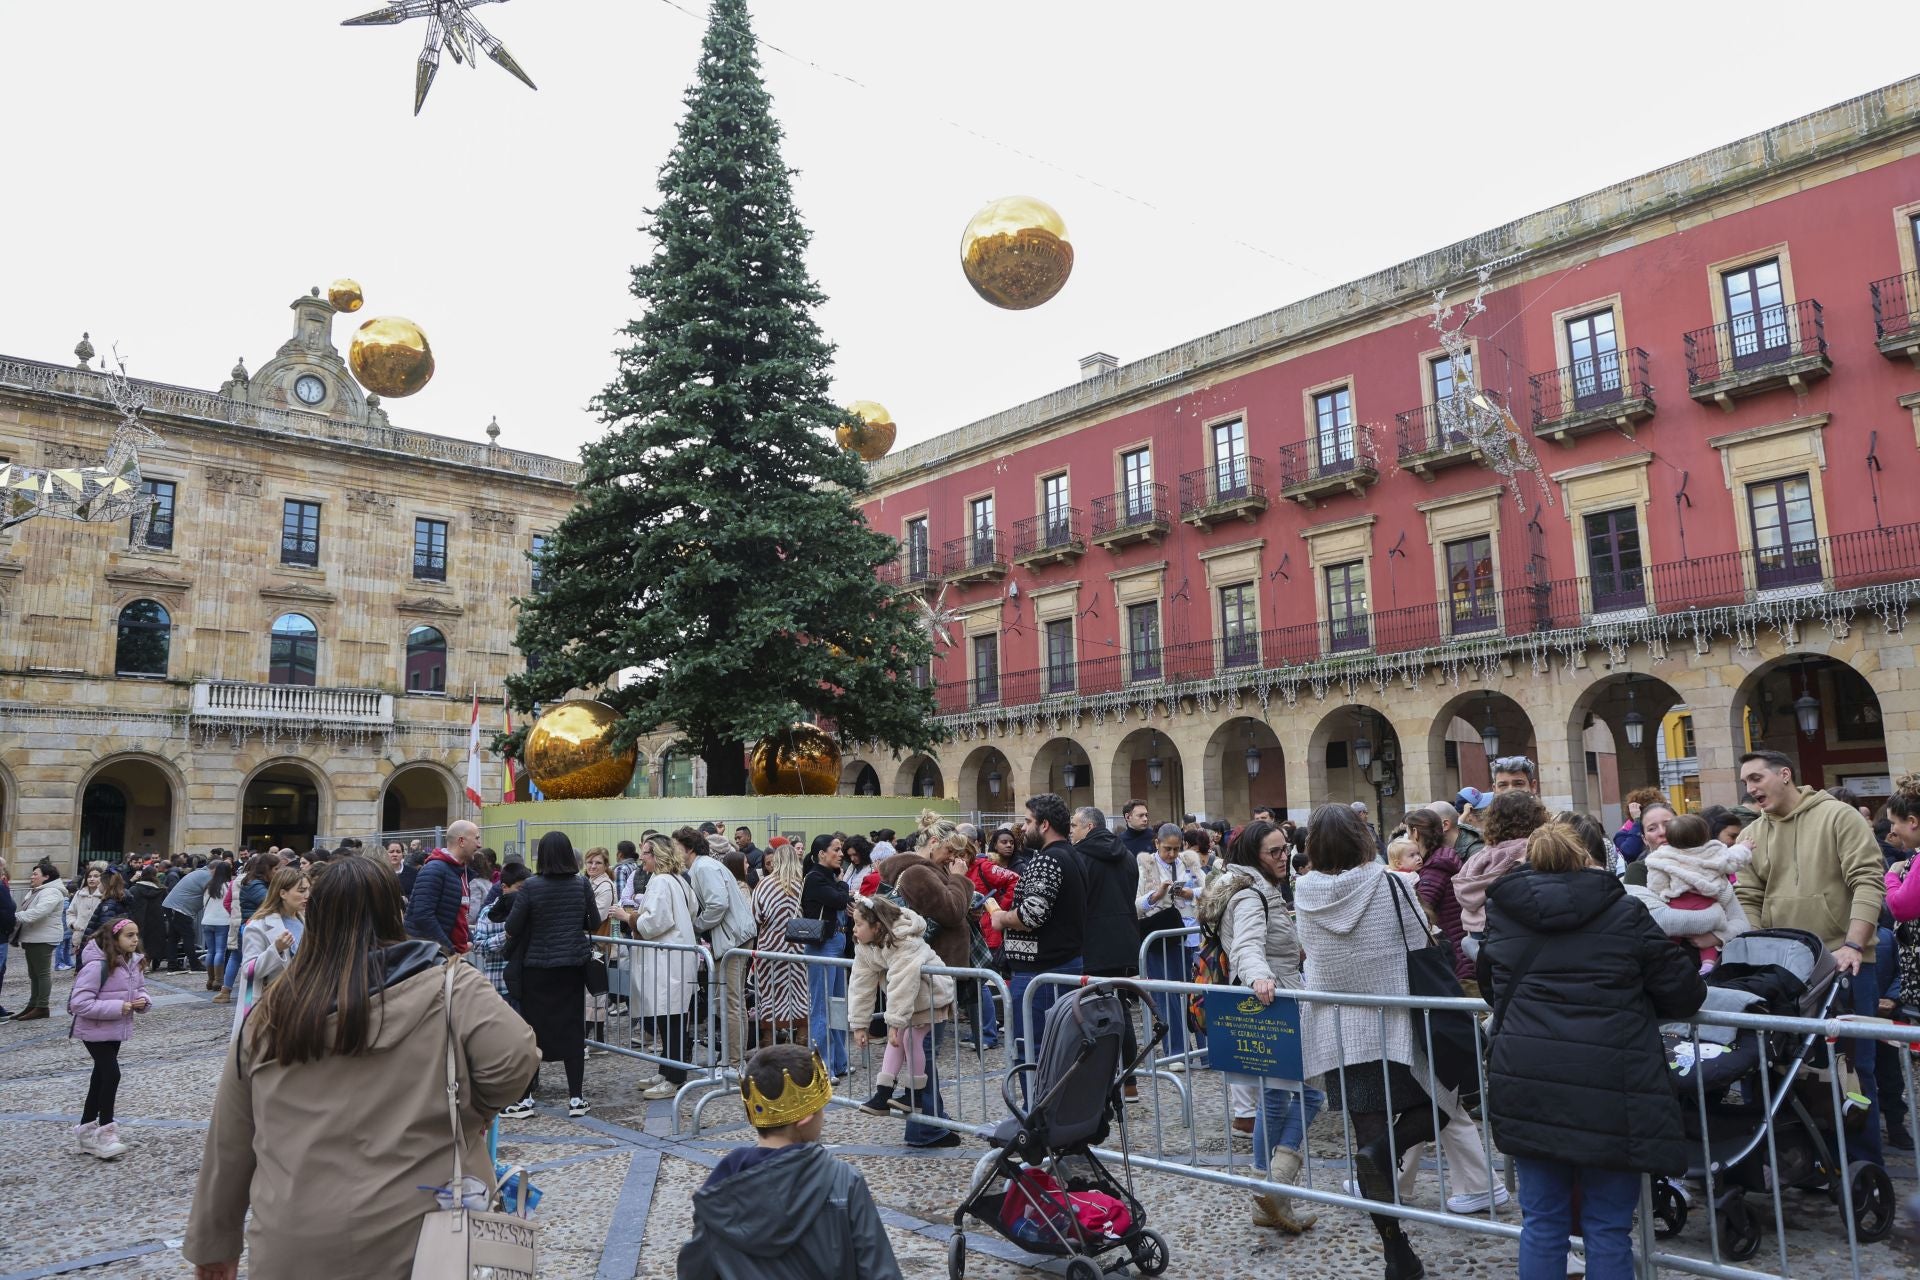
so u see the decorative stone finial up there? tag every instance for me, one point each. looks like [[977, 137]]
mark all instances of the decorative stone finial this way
[[493, 430], [239, 373], [314, 292], [373, 400], [84, 350]]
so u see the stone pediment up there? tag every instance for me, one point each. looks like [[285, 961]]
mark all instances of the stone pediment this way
[[149, 580], [296, 593], [430, 607]]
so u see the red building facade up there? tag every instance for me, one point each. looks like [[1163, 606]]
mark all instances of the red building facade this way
[[1270, 566]]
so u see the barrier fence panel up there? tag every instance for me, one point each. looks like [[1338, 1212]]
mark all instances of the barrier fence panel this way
[[1793, 1121], [647, 982]]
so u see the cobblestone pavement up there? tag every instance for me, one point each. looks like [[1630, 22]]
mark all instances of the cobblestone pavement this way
[[617, 1184]]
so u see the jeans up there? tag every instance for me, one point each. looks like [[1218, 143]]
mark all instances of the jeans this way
[[1608, 1199], [3, 964], [927, 1100], [63, 954], [1169, 960], [1865, 1000], [215, 937], [1282, 1112], [980, 1005], [1886, 1057], [233, 967], [826, 983], [1027, 1048]]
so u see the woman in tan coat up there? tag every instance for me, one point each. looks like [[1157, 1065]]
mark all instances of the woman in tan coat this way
[[334, 1182]]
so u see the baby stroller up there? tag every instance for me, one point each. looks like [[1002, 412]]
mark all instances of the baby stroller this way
[[1042, 1187], [1750, 1081]]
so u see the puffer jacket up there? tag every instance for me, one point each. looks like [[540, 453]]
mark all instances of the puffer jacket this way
[[1255, 927], [939, 898], [1436, 890], [554, 914], [1673, 872], [38, 914], [100, 994], [912, 999], [1577, 1071], [1111, 943], [794, 1214], [1471, 882]]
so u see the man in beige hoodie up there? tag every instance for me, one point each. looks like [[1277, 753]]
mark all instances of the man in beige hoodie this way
[[1817, 867]]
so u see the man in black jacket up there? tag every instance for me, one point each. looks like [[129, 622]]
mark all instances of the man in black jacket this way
[[1138, 836], [1112, 946], [1046, 929]]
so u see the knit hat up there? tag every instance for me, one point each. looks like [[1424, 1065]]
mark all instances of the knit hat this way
[[719, 846], [777, 842]]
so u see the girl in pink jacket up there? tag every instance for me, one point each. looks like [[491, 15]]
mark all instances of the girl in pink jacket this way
[[109, 988]]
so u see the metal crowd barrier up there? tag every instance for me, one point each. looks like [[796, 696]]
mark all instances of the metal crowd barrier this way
[[633, 964], [1210, 1154]]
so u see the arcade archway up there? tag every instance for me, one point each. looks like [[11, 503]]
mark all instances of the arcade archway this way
[[1062, 767], [1824, 716], [1244, 769], [281, 805], [1147, 766], [128, 805], [418, 796]]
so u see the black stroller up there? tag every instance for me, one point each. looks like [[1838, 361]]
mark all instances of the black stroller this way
[[1751, 1082], [1042, 1171]]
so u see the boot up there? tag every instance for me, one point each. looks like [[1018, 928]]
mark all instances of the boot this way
[[1376, 1164], [1402, 1262], [1270, 1210], [83, 1136], [106, 1143], [213, 978], [225, 996]]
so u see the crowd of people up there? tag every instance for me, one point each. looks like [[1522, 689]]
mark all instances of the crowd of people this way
[[1582, 940]]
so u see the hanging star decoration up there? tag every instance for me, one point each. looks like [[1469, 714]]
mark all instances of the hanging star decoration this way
[[937, 618], [449, 25], [1472, 412], [96, 494]]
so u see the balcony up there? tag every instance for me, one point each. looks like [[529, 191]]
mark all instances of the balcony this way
[[290, 706], [1608, 392], [1052, 538], [1232, 489], [1783, 346], [978, 557], [911, 569], [1138, 514], [1315, 470], [1896, 316], [1431, 439]]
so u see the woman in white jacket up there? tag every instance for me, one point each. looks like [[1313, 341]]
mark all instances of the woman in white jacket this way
[[39, 919], [270, 938], [665, 980]]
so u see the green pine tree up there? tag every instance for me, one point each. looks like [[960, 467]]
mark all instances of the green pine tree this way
[[715, 546]]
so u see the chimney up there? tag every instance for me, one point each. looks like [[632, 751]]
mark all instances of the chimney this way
[[1096, 364]]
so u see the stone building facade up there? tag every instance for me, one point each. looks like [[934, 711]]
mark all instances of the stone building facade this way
[[1270, 566], [293, 649]]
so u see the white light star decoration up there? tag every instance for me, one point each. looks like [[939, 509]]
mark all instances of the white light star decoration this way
[[449, 24], [938, 619], [98, 494], [1472, 412]]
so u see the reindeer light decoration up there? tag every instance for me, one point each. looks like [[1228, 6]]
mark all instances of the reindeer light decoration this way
[[1471, 413], [97, 494]]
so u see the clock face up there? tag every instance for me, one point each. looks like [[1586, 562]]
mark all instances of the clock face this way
[[310, 389]]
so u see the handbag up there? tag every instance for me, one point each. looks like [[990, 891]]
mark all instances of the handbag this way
[[1450, 1033], [806, 929], [459, 1243]]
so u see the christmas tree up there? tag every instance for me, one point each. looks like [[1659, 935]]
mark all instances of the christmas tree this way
[[715, 549]]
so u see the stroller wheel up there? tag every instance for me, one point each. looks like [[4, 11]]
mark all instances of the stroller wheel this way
[[1083, 1269], [1150, 1255], [1739, 1230], [957, 1257], [1872, 1201], [1669, 1210]]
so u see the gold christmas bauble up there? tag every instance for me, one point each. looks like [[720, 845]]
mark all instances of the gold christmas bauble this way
[[569, 755], [1015, 252], [344, 294], [802, 761], [868, 430], [391, 357]]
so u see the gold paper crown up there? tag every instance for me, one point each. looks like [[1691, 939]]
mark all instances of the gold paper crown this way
[[794, 1102]]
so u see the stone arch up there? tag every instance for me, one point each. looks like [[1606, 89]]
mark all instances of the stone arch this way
[[1132, 768], [1628, 704], [917, 768], [419, 795], [976, 783], [1780, 697], [1049, 772], [1232, 783], [1335, 774], [1463, 721], [294, 803], [859, 778], [154, 790]]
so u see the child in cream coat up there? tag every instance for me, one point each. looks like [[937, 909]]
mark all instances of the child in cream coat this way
[[892, 949]]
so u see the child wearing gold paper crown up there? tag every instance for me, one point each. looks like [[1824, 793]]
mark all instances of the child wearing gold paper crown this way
[[784, 1209]]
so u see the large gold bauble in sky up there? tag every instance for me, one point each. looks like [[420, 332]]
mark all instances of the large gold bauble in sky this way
[[868, 431], [570, 756], [390, 356], [802, 761], [344, 294], [1015, 252]]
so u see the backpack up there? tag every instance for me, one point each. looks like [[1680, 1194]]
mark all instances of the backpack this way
[[1210, 967]]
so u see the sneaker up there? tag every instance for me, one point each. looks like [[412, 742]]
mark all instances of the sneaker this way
[[518, 1110], [106, 1143], [1478, 1203], [1178, 1064], [660, 1089], [1899, 1137], [577, 1106], [83, 1136]]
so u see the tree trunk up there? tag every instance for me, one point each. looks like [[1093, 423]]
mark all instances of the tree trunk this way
[[726, 768]]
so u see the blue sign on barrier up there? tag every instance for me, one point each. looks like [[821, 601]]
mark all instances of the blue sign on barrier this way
[[1251, 1038]]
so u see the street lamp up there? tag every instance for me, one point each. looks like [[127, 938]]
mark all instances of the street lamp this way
[[1069, 776], [1154, 769], [1253, 760], [1490, 733], [1363, 751], [1806, 709], [1636, 727], [993, 782]]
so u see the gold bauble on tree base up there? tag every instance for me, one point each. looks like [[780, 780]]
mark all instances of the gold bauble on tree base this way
[[570, 755], [390, 356], [868, 430], [1016, 253], [344, 294], [803, 760]]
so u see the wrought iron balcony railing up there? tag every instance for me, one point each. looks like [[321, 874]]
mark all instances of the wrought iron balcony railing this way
[[1051, 534], [1140, 511], [1896, 314], [1229, 486], [1598, 392], [981, 554], [1785, 342]]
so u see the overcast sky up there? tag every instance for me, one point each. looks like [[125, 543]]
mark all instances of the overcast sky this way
[[177, 173]]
